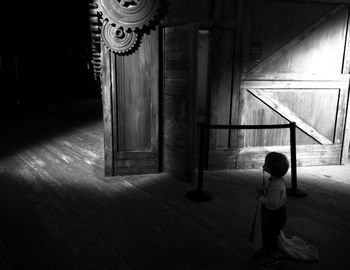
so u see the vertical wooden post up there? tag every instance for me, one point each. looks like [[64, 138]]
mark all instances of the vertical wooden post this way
[[294, 190], [346, 70], [106, 87], [241, 64], [346, 138]]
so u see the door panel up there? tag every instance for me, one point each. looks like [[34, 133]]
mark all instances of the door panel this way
[[138, 109], [221, 85], [131, 109], [179, 98], [223, 98], [310, 106], [293, 71], [301, 81]]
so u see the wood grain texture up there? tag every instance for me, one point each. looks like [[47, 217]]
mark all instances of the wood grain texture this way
[[346, 70], [312, 105], [241, 62], [293, 84], [272, 62], [60, 212], [267, 36], [254, 157], [278, 76], [289, 115], [179, 99], [106, 87], [136, 107], [298, 75], [346, 139], [323, 49], [221, 85]]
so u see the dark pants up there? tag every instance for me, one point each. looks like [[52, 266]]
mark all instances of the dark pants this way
[[273, 222]]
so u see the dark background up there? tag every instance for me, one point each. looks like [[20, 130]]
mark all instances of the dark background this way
[[45, 56]]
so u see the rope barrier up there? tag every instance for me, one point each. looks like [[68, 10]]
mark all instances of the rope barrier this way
[[202, 195]]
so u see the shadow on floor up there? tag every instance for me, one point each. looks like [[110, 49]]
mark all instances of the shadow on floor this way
[[146, 222]]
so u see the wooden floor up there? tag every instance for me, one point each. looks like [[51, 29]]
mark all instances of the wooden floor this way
[[59, 212]]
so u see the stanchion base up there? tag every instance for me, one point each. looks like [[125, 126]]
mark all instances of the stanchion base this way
[[203, 196], [298, 192]]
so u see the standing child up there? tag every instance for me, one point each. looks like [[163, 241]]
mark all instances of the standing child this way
[[273, 201]]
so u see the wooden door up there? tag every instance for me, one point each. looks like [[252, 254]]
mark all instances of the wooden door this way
[[286, 62], [221, 155], [179, 99], [297, 72], [130, 87]]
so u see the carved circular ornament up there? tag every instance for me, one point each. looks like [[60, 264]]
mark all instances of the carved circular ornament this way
[[130, 14], [117, 39]]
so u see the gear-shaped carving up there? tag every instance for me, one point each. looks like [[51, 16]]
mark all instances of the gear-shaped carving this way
[[95, 34], [129, 14], [117, 39]]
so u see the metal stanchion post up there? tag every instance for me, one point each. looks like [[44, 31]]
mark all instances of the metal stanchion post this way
[[200, 194], [294, 190]]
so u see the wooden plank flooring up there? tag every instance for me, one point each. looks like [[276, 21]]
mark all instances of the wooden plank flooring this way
[[59, 212]]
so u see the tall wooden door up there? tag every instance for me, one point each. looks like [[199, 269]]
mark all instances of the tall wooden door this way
[[131, 109], [179, 99], [222, 95], [297, 72]]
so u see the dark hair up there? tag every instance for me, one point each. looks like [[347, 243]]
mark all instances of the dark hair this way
[[277, 163]]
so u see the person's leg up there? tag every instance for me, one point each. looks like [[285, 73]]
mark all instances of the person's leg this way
[[272, 234], [283, 210], [278, 220], [271, 230], [265, 230]]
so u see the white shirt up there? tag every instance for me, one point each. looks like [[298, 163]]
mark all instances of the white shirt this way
[[275, 194]]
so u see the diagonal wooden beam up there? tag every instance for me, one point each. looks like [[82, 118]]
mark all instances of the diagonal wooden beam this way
[[289, 115], [296, 40]]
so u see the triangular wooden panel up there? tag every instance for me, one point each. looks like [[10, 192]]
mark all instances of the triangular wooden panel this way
[[319, 49], [259, 113], [311, 105], [293, 18]]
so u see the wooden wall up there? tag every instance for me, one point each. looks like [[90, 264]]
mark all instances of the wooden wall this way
[[197, 11], [181, 77], [140, 129], [293, 70], [260, 72]]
